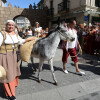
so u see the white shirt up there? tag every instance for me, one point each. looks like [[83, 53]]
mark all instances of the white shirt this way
[[12, 41], [30, 32], [38, 29], [73, 43], [83, 33]]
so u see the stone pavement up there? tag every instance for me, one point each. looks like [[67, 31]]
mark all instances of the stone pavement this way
[[70, 86]]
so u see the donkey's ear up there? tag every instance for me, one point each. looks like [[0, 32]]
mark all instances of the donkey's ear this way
[[58, 21]]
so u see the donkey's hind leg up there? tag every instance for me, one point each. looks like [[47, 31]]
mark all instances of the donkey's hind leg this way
[[52, 70], [39, 70], [33, 65]]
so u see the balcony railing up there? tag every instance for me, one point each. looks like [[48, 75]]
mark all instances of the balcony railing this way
[[63, 6], [51, 12]]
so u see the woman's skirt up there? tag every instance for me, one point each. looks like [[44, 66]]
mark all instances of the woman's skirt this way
[[10, 64]]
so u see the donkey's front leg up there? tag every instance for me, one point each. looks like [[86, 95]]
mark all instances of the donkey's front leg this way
[[52, 70], [39, 70]]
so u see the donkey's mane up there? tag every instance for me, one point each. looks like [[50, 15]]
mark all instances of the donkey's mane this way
[[51, 32]]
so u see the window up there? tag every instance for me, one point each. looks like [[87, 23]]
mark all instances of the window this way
[[66, 4], [97, 3], [51, 4]]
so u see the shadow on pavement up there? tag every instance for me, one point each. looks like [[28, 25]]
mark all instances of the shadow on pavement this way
[[88, 66], [28, 72], [94, 69], [90, 63]]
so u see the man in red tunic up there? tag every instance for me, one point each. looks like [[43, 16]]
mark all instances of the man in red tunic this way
[[69, 49]]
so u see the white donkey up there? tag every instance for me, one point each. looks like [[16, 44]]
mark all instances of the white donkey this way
[[45, 48]]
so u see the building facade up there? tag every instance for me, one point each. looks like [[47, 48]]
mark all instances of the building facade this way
[[2, 3], [22, 22], [41, 4], [83, 11]]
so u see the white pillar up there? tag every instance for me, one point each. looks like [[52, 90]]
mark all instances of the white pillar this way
[[88, 2], [92, 3]]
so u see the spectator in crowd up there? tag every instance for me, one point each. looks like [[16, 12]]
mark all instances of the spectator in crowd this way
[[79, 34], [97, 39], [92, 40], [83, 38], [37, 29], [26, 32], [46, 30], [21, 33], [29, 31], [16, 29], [45, 33], [65, 25], [3, 29]]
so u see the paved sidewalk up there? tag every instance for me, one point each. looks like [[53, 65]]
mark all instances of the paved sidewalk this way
[[70, 86], [66, 92]]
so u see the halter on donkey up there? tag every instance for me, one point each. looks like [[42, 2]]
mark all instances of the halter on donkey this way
[[45, 48]]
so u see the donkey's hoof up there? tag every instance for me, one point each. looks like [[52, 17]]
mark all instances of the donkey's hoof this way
[[39, 81], [35, 70], [56, 83]]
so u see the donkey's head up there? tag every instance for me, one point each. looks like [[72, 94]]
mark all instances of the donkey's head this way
[[65, 34]]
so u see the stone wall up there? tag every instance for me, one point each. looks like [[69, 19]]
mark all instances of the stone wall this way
[[32, 14]]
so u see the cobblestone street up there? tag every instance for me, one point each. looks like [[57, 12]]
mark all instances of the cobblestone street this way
[[30, 88], [36, 28]]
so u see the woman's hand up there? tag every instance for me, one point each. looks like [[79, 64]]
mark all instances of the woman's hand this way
[[29, 39]]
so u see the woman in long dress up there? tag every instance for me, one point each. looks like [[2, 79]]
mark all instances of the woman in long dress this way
[[9, 41]]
